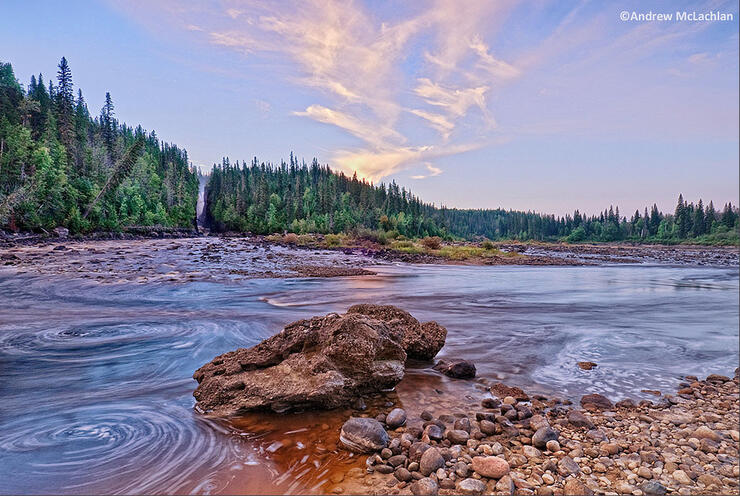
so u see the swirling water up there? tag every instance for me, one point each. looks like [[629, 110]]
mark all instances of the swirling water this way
[[96, 379]]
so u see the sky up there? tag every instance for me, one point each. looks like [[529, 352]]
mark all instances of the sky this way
[[548, 106]]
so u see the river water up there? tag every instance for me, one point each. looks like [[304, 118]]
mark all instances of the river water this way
[[96, 379]]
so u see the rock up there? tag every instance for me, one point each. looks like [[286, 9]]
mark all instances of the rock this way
[[471, 486], [625, 403], [416, 450], [63, 232], [322, 362], [425, 487], [491, 403], [458, 369], [505, 485], [537, 422], [679, 418], [502, 391], [510, 400], [705, 432], [384, 469], [420, 341], [574, 487], [487, 427], [490, 466], [397, 460], [653, 488], [552, 446], [434, 432], [430, 461], [531, 451], [645, 472], [396, 418], [681, 477], [363, 435], [463, 424], [578, 419], [716, 378], [461, 469], [458, 436], [586, 365], [402, 474], [596, 402], [543, 435], [566, 466]]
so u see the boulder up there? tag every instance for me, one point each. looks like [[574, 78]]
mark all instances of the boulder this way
[[575, 487], [322, 362], [578, 419], [457, 369], [473, 487], [363, 435], [420, 341]]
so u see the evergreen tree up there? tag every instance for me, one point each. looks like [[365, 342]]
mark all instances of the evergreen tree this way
[[65, 105]]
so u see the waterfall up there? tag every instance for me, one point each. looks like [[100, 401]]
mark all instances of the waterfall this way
[[200, 208]]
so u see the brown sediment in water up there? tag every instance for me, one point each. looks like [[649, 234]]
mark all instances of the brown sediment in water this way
[[651, 443]]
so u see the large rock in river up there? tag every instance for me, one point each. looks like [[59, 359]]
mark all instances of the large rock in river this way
[[322, 362], [421, 341]]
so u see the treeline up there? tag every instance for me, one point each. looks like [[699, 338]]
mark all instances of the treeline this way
[[296, 197], [56, 160]]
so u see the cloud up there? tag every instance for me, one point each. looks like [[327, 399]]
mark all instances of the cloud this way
[[433, 171], [353, 59]]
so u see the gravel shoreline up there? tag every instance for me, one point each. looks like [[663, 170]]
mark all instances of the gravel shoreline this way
[[513, 444]]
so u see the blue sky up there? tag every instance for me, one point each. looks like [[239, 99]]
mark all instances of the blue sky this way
[[542, 105]]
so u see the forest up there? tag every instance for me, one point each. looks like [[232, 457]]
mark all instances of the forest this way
[[300, 198], [62, 167]]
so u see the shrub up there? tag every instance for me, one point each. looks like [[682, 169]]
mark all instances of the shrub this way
[[332, 240], [487, 245], [290, 238], [432, 242]]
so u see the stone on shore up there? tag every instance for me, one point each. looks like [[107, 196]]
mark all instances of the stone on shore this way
[[574, 487], [472, 487], [543, 435], [363, 435], [431, 460], [425, 487], [420, 341], [396, 418], [457, 369], [596, 402], [322, 362], [493, 467]]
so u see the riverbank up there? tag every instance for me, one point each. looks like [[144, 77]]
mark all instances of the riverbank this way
[[685, 443], [181, 257]]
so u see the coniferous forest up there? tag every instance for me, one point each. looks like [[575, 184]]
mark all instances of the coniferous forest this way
[[62, 167], [300, 198]]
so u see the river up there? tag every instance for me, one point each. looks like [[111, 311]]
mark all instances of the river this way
[[97, 389]]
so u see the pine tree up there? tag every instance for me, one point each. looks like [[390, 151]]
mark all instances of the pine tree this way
[[107, 124], [65, 105]]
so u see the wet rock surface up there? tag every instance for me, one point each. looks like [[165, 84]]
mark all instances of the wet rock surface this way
[[420, 341], [322, 362]]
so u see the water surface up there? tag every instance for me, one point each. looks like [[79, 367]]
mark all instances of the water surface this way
[[97, 388]]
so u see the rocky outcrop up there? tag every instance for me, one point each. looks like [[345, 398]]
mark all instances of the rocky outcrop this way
[[420, 341], [322, 362]]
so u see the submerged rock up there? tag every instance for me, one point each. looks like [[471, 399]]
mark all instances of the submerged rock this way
[[322, 362], [457, 369], [420, 341]]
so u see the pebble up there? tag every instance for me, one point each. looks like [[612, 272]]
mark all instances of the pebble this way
[[490, 466], [425, 487], [543, 435], [472, 486], [681, 477], [431, 460], [552, 446], [395, 418]]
